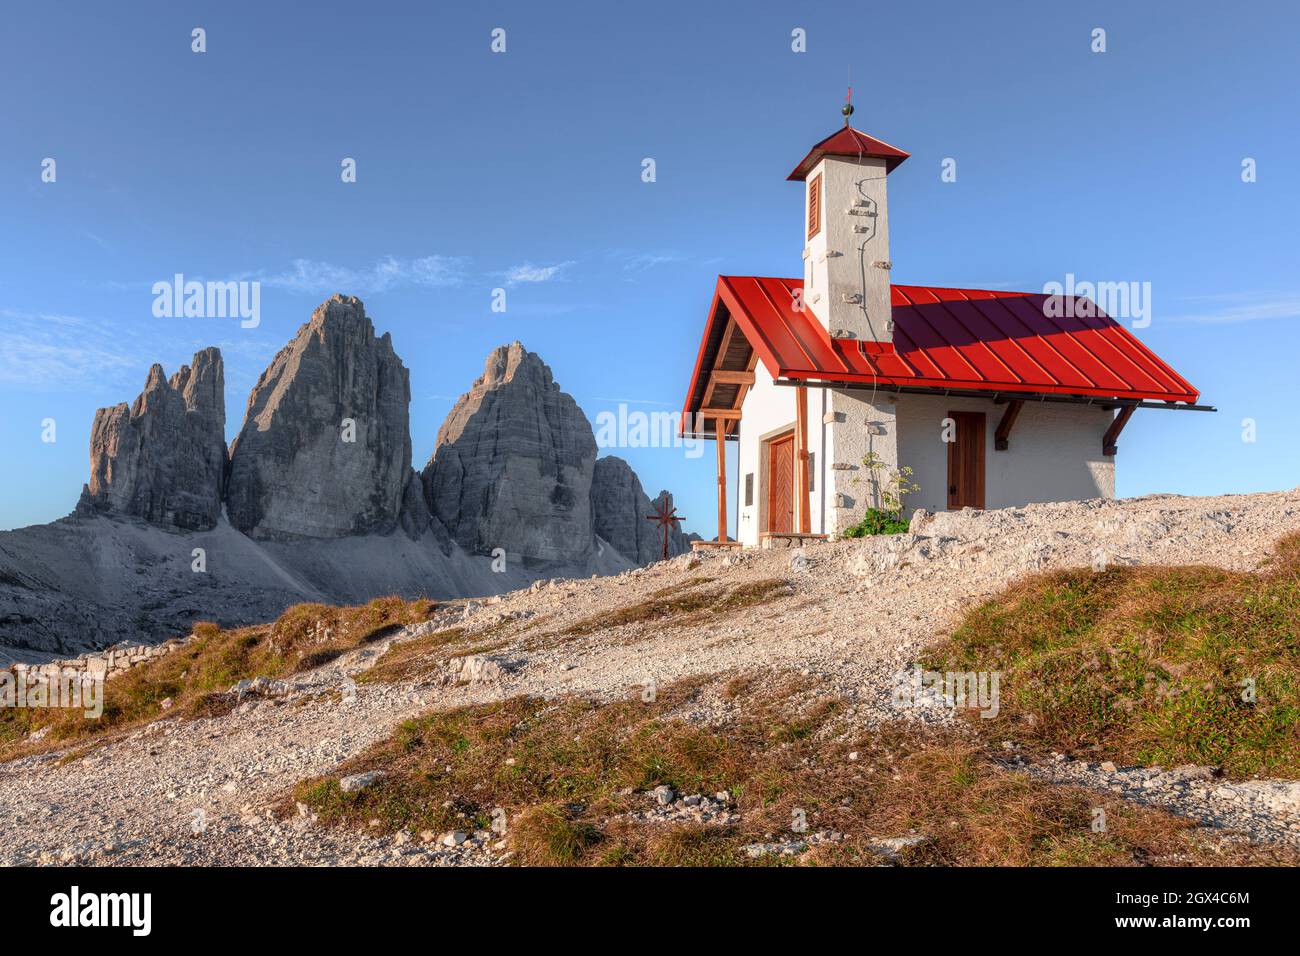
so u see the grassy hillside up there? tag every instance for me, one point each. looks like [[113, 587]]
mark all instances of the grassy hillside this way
[[570, 778], [1148, 665], [196, 679]]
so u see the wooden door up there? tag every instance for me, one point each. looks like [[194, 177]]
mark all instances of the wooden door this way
[[780, 484], [966, 462]]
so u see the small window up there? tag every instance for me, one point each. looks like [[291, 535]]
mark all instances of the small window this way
[[749, 490], [815, 206], [812, 471]]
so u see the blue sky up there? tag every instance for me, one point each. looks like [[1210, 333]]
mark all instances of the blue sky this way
[[523, 170]]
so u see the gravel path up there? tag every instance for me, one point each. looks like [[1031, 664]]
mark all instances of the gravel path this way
[[1265, 809], [853, 614]]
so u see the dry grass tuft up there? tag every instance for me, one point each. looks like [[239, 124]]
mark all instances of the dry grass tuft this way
[[680, 607], [197, 677], [549, 835], [412, 658]]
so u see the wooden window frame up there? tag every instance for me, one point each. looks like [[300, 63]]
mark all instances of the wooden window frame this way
[[815, 206]]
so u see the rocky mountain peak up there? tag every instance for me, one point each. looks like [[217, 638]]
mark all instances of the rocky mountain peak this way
[[515, 468], [325, 448], [319, 480], [202, 384], [512, 465], [155, 381], [513, 362], [163, 458], [343, 315]]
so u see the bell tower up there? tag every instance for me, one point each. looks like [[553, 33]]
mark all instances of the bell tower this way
[[846, 232]]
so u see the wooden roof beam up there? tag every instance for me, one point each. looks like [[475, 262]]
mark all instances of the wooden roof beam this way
[[726, 414], [725, 376]]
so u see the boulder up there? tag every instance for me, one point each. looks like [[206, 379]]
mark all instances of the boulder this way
[[480, 668], [360, 781]]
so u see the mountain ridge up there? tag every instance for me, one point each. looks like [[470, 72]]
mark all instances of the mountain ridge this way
[[316, 498]]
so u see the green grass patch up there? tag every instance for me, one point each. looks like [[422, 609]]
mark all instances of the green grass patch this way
[[1154, 665]]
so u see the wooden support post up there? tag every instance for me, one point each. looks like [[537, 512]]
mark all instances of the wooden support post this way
[[720, 433], [1108, 446], [1001, 438], [801, 494]]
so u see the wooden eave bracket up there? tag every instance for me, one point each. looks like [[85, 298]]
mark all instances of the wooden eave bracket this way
[[1108, 443], [1002, 437]]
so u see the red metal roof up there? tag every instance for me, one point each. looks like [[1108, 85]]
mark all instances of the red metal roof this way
[[849, 142], [960, 339]]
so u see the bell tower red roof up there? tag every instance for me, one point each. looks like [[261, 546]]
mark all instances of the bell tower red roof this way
[[848, 141]]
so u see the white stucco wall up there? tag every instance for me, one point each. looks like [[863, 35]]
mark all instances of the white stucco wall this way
[[1054, 454], [838, 496], [865, 423]]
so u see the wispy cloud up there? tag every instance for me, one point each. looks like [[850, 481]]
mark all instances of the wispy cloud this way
[[531, 273], [635, 401], [313, 277], [310, 276], [638, 262], [1237, 307], [52, 351]]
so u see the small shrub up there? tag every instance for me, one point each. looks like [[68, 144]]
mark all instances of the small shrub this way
[[546, 836], [874, 522]]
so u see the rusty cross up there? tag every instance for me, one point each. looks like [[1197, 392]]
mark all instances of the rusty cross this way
[[665, 517]]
